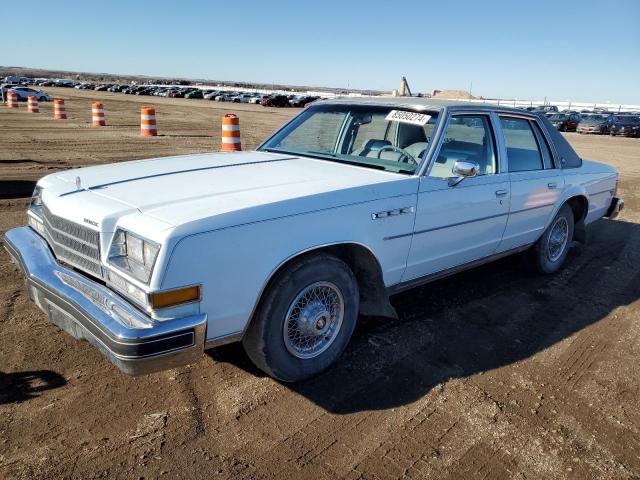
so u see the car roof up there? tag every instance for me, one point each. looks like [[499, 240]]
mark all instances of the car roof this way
[[417, 103]]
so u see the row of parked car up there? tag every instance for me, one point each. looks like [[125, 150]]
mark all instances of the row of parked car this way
[[273, 100], [598, 121]]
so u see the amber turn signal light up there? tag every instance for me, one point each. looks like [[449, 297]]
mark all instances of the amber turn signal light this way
[[178, 296]]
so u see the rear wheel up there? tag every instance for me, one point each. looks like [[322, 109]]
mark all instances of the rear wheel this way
[[305, 318], [550, 251]]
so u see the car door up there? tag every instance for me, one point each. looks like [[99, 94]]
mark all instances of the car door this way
[[535, 182], [457, 224]]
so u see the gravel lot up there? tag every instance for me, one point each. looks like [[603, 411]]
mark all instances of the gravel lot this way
[[493, 373]]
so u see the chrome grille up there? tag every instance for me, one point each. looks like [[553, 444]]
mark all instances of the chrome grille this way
[[72, 243]]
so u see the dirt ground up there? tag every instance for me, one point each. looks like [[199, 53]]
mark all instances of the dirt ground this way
[[493, 373]]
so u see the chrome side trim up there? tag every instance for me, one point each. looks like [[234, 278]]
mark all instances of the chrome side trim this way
[[419, 232], [416, 282], [223, 340]]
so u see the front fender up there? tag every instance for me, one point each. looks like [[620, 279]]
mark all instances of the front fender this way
[[233, 265]]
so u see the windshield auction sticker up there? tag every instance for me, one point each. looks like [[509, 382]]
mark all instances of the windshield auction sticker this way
[[403, 116]]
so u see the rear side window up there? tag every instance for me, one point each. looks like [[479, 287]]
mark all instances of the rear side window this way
[[544, 146], [523, 153]]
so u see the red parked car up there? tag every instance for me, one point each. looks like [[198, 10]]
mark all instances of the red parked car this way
[[565, 122], [275, 101]]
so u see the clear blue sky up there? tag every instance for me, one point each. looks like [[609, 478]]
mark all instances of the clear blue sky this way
[[581, 50]]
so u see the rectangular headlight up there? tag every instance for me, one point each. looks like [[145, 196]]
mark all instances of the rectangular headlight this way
[[133, 254], [35, 223], [128, 289]]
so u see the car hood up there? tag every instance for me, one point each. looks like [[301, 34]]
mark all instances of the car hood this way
[[218, 190]]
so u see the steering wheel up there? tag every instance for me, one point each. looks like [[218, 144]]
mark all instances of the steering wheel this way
[[405, 156]]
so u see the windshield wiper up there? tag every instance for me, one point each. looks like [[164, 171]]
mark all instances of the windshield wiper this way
[[333, 157]]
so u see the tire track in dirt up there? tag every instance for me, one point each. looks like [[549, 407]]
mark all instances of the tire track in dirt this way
[[482, 462], [329, 440]]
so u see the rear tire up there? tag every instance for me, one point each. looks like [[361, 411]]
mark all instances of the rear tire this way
[[305, 319], [550, 251]]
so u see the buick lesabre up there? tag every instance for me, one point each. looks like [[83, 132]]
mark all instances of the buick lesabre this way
[[281, 248]]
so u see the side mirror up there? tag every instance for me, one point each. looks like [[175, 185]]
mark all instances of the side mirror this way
[[463, 169]]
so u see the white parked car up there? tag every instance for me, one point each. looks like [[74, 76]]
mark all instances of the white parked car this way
[[225, 97], [211, 95], [256, 99], [241, 98], [353, 200], [24, 93]]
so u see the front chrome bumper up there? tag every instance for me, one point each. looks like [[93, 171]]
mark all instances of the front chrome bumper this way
[[88, 310]]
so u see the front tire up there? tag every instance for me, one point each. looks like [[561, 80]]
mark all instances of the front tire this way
[[550, 251], [305, 319]]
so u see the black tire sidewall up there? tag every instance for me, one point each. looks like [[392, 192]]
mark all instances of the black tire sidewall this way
[[542, 263], [264, 341]]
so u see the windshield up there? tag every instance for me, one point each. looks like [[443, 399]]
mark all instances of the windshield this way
[[385, 138], [596, 119], [558, 118], [627, 119]]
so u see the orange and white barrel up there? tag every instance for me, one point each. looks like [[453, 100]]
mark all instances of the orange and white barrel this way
[[32, 104], [12, 100], [97, 115], [230, 141], [59, 112], [148, 122]]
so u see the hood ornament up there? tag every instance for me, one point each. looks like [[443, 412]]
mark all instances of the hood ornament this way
[[78, 183]]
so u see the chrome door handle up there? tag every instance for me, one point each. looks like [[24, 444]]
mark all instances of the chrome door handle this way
[[552, 185], [501, 193]]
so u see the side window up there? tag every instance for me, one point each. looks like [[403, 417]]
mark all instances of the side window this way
[[468, 138], [543, 146], [523, 153]]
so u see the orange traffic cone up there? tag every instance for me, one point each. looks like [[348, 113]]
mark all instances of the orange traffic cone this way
[[12, 100], [230, 133], [97, 115], [59, 112], [148, 122], [32, 104]]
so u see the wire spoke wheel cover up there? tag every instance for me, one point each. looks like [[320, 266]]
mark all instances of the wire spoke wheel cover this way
[[558, 238], [313, 320]]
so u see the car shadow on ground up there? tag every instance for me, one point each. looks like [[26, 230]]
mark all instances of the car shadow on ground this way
[[10, 189], [20, 386], [476, 321]]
